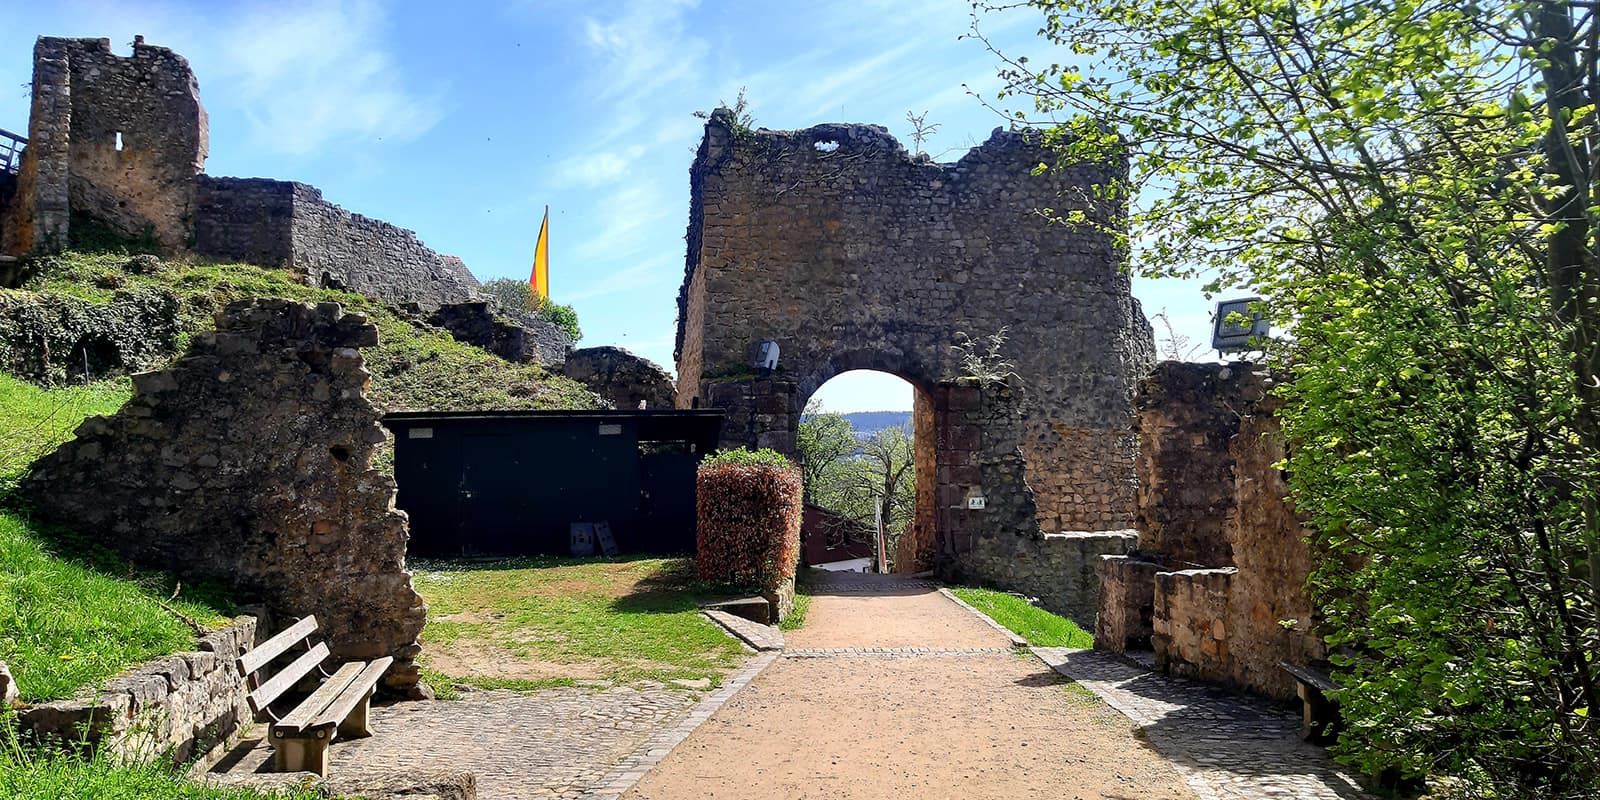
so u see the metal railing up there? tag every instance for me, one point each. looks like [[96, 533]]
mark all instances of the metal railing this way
[[11, 151]]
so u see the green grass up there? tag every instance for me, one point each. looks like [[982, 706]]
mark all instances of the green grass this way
[[802, 604], [536, 623], [64, 626], [414, 368], [34, 420], [33, 774], [66, 622], [1040, 627]]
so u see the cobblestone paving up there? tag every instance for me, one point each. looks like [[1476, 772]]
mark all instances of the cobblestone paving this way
[[557, 743], [1227, 746], [756, 635]]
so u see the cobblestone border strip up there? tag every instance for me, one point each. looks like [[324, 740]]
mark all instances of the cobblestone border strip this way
[[1207, 774], [894, 652], [762, 637], [1016, 641], [635, 765]]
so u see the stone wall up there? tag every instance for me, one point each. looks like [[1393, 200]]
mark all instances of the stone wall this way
[[622, 378], [116, 139], [1217, 588], [1190, 623], [1124, 617], [527, 341], [175, 708], [978, 454], [244, 219], [1270, 615], [287, 224], [1187, 414], [336, 249], [851, 254], [249, 461]]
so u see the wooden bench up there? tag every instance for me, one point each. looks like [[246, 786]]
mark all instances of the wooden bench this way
[[1319, 714], [337, 708]]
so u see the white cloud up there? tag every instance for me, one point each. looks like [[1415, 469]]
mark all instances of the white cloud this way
[[316, 72], [629, 214], [645, 274], [589, 170]]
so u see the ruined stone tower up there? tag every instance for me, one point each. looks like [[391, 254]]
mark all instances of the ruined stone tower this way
[[850, 253]]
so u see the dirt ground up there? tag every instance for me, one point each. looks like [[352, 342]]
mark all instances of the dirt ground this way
[[920, 619], [974, 726]]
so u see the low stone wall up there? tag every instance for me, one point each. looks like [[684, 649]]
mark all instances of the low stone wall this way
[[1057, 569], [622, 378], [1189, 626], [530, 341], [1123, 618], [1211, 491], [175, 708], [249, 461]]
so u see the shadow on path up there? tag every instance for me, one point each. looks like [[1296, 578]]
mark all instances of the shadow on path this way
[[1228, 746]]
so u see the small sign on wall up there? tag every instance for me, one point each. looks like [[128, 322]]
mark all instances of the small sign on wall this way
[[610, 429], [977, 502], [419, 433]]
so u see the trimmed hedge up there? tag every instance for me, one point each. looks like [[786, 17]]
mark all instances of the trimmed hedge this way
[[748, 508]]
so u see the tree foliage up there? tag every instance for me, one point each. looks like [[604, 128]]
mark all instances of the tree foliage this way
[[851, 476], [1411, 184], [515, 299]]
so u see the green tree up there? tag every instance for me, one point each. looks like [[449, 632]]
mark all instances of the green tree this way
[[1410, 185], [823, 440], [514, 298]]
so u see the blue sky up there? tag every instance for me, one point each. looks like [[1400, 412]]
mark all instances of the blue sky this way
[[463, 120]]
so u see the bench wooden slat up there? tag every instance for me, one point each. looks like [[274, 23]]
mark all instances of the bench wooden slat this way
[[357, 691], [286, 679], [302, 715], [276, 646], [1311, 677]]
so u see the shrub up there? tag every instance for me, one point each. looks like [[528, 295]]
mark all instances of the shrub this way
[[515, 299], [748, 532]]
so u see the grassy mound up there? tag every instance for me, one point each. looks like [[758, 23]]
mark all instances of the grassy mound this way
[[28, 773], [414, 367]]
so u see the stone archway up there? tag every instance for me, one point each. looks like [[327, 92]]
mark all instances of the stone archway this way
[[837, 244]]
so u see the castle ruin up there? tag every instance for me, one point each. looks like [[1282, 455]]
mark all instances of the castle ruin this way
[[850, 253]]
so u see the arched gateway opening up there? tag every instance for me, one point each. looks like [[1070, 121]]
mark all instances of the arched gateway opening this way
[[860, 256], [858, 454]]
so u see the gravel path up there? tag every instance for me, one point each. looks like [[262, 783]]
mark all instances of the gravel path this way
[[892, 691]]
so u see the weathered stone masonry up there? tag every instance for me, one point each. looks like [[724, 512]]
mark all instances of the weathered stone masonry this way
[[850, 254], [248, 461], [87, 100], [1217, 587], [177, 707], [118, 139], [858, 256]]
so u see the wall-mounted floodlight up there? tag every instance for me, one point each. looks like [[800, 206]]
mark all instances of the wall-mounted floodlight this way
[[1237, 327]]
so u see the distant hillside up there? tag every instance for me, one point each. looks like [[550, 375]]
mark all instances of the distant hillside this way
[[867, 423]]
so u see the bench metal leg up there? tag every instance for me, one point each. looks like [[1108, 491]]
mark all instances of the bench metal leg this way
[[306, 752], [356, 725]]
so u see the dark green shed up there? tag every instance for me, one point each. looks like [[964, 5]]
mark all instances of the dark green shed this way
[[513, 482]]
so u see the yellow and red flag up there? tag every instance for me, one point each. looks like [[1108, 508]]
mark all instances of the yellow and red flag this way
[[539, 281]]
